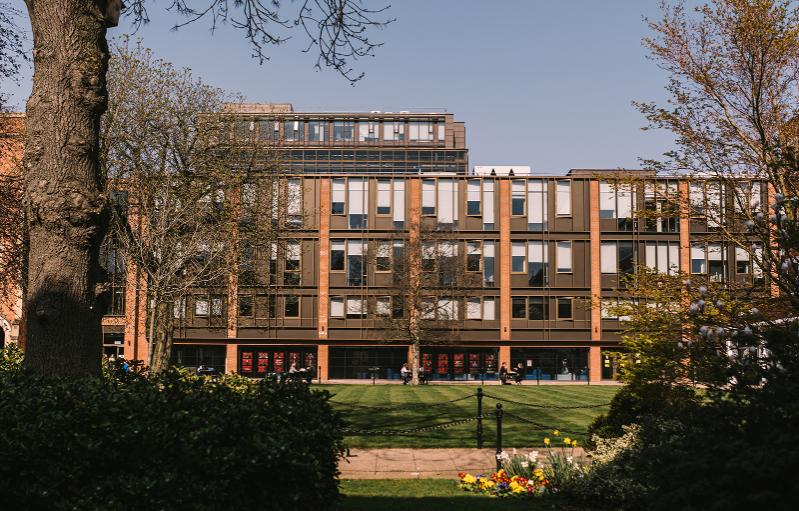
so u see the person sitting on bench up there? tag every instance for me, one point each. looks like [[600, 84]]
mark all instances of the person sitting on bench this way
[[405, 374]]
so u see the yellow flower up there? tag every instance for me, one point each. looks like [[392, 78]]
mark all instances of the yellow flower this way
[[516, 487], [556, 432], [490, 484], [546, 442], [574, 443], [469, 479], [567, 441]]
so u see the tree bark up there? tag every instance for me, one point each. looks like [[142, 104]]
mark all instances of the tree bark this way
[[415, 349], [162, 338], [65, 208]]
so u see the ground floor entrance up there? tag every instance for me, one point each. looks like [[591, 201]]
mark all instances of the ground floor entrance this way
[[261, 361], [460, 363], [563, 364], [192, 356], [356, 362]]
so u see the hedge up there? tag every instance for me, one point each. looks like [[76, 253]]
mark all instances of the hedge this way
[[169, 442]]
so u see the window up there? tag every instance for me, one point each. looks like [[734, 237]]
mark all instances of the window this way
[[626, 257], [661, 203], [609, 260], [447, 309], [294, 203], [420, 131], [317, 130], [243, 131], [698, 258], [200, 306], [356, 269], [398, 256], [518, 197], [356, 308], [337, 250], [447, 201], [488, 263], [383, 256], [474, 308], [617, 200], [393, 131], [397, 307], [757, 261], [216, 306], [473, 197], [716, 262], [488, 205], [473, 256], [336, 306], [291, 274], [442, 130], [537, 263], [291, 306], [294, 131], [517, 256], [563, 198], [537, 308], [536, 205], [565, 308], [428, 256], [663, 256], [697, 198], [399, 203], [715, 204], [383, 196], [179, 308], [338, 197], [273, 263], [489, 308], [358, 199], [343, 131], [383, 306], [742, 262], [268, 129], [368, 131], [245, 306], [518, 306], [428, 197], [563, 256]]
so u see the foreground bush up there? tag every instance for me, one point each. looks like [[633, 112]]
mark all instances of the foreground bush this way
[[171, 442]]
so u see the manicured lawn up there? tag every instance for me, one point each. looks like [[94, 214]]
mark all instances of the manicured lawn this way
[[388, 408], [428, 495]]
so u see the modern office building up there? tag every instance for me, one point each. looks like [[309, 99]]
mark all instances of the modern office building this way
[[542, 254]]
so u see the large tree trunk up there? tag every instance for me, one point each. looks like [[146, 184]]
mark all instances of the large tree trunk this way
[[65, 208], [415, 365], [162, 338]]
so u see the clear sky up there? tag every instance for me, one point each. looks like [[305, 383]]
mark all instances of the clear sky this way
[[542, 83]]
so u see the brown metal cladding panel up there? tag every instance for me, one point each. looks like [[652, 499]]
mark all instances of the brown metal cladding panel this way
[[338, 222], [382, 222], [472, 223], [205, 333]]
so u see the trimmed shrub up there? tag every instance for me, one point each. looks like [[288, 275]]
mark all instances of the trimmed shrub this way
[[169, 442]]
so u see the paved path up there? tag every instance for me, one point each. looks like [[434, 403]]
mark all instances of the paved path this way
[[421, 463]]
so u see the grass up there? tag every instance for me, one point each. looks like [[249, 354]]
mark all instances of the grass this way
[[428, 495], [383, 408]]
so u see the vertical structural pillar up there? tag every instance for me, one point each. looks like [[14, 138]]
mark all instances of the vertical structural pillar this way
[[231, 358], [685, 227], [504, 271], [323, 309], [136, 344], [595, 351], [233, 277], [414, 249], [323, 361]]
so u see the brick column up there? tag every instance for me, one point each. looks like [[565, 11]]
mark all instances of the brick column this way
[[233, 277], [413, 249], [504, 272], [136, 343], [504, 259], [323, 361], [594, 351], [685, 227], [323, 291], [231, 358]]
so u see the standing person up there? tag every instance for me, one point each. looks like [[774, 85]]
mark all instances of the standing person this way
[[293, 368], [405, 373], [519, 373], [503, 374]]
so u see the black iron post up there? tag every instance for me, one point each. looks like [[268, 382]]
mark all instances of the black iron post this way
[[499, 434], [479, 417]]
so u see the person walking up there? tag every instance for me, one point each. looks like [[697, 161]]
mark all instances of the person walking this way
[[519, 374], [503, 374]]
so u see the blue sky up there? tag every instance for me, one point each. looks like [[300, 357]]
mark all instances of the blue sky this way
[[539, 83]]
